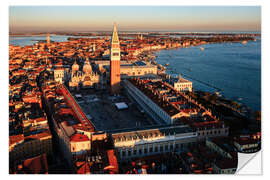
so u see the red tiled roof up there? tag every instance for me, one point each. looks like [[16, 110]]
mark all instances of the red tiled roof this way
[[75, 107], [245, 141], [31, 98], [15, 138], [113, 161], [40, 119], [83, 168], [36, 165], [79, 138], [40, 135], [62, 111]]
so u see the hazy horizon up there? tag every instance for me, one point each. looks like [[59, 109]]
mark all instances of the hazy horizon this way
[[33, 19]]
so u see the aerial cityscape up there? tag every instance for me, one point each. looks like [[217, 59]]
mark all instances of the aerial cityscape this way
[[92, 91]]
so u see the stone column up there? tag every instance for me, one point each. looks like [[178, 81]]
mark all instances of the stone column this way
[[120, 152], [132, 151]]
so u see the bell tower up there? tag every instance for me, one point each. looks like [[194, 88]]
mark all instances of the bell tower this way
[[48, 39], [115, 62]]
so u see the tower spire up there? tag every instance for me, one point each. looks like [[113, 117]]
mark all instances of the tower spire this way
[[48, 39], [115, 39], [179, 77], [87, 60]]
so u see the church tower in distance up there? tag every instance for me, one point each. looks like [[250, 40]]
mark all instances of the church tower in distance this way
[[48, 39]]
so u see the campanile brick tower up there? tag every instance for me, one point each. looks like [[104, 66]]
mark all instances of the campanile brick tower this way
[[115, 62], [48, 39]]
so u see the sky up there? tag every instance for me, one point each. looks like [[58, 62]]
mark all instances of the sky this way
[[134, 18]]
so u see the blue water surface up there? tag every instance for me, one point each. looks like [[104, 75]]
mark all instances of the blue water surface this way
[[234, 68]]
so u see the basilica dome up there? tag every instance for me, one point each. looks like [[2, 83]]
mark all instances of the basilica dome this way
[[87, 67], [75, 66]]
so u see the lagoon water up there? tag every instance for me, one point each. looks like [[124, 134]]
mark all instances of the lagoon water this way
[[232, 67], [30, 40]]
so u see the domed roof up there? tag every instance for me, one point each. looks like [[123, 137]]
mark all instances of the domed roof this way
[[87, 67], [75, 66]]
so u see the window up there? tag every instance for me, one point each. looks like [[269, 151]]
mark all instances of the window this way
[[135, 151], [145, 151], [129, 152], [151, 149], [161, 148], [156, 149], [166, 147], [140, 151], [115, 54], [123, 153]]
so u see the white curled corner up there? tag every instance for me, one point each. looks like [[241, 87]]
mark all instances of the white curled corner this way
[[249, 164]]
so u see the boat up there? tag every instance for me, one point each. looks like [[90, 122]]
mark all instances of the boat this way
[[202, 49], [218, 93]]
